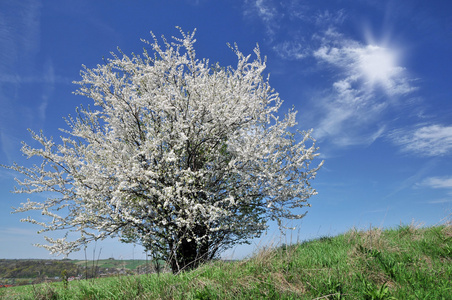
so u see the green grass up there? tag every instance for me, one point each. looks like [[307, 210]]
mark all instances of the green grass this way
[[402, 263]]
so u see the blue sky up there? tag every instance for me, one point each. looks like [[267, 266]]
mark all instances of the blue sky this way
[[372, 78]]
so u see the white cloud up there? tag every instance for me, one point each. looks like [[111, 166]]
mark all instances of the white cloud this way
[[366, 66], [428, 140], [438, 182]]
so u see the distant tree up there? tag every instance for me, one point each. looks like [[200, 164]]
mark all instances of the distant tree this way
[[184, 157]]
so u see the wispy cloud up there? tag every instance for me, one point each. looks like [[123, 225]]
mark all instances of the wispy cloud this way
[[194, 2], [266, 11], [18, 231], [440, 201], [330, 17], [49, 76], [362, 79], [425, 140], [365, 66], [20, 41], [438, 182], [46, 78], [291, 50], [19, 33], [365, 77], [349, 117], [9, 145], [412, 180]]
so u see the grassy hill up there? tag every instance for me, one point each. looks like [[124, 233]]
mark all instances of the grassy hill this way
[[402, 263]]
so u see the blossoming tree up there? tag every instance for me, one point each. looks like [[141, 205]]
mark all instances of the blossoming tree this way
[[181, 156]]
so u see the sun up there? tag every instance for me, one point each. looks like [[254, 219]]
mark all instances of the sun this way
[[378, 64], [379, 60]]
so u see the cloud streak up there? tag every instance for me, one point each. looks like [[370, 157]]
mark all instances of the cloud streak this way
[[438, 182], [425, 140], [49, 77]]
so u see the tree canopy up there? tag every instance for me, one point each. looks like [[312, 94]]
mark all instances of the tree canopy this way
[[180, 155]]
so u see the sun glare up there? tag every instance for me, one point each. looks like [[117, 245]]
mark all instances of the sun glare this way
[[380, 58], [378, 64]]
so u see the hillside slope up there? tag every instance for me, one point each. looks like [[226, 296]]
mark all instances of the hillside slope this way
[[402, 263]]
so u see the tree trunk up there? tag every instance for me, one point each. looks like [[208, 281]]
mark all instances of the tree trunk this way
[[191, 254]]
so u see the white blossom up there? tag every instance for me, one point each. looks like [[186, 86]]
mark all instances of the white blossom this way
[[176, 153]]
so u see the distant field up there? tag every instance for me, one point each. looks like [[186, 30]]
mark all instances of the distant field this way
[[110, 263], [33, 271]]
